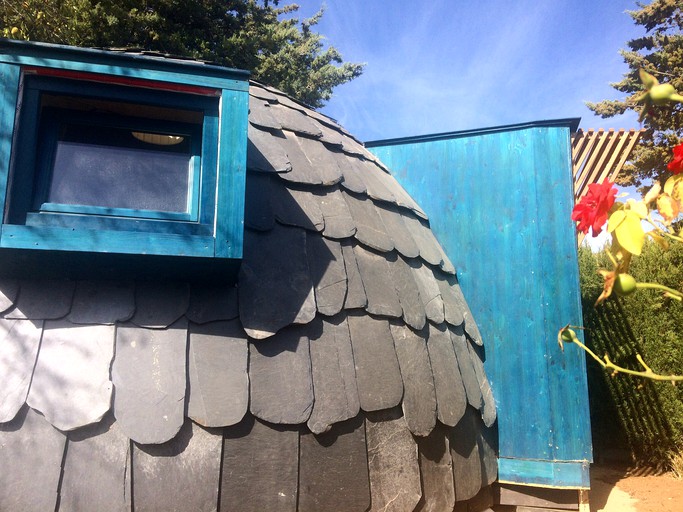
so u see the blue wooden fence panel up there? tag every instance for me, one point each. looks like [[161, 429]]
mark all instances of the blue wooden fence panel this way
[[500, 201]]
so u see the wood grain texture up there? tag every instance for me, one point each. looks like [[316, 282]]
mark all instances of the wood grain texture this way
[[260, 467], [544, 415]]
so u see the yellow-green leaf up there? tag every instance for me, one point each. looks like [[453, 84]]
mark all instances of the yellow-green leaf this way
[[615, 219], [671, 183], [668, 208], [630, 234], [647, 79], [637, 207], [659, 240]]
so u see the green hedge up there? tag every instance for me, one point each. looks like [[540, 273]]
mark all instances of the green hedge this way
[[639, 415]]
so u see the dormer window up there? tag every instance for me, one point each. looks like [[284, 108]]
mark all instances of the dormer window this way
[[109, 156]]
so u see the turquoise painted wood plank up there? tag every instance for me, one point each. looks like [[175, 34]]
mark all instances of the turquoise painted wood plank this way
[[561, 302], [232, 171], [500, 201], [121, 242], [9, 85], [122, 64], [556, 474]]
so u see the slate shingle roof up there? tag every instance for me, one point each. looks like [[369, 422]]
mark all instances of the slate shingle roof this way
[[342, 371]]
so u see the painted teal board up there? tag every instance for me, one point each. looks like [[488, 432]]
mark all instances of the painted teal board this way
[[128, 65], [500, 201], [232, 172], [570, 475], [121, 242], [9, 91]]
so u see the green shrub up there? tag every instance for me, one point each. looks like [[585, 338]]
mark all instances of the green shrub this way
[[642, 416]]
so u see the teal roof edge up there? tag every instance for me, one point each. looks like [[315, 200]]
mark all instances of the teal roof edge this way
[[121, 57], [571, 122]]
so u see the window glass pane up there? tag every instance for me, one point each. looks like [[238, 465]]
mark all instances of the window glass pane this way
[[117, 168]]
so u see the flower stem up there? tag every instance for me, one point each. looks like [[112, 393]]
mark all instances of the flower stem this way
[[675, 294]]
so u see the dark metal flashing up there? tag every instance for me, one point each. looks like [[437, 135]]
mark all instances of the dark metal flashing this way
[[571, 122]]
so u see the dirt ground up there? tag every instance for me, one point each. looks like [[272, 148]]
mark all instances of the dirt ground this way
[[615, 489]]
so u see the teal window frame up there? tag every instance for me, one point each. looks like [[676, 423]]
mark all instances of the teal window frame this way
[[211, 227]]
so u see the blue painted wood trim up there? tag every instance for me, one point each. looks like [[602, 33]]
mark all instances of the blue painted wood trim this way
[[232, 168], [126, 64], [9, 92], [120, 242], [98, 223], [116, 212], [127, 71], [543, 473]]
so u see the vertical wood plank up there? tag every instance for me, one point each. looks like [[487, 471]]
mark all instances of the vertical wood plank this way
[[9, 85], [232, 171]]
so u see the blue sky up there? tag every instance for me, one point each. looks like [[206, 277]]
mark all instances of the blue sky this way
[[447, 65]]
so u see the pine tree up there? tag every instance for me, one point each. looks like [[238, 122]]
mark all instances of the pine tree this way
[[257, 35], [659, 52]]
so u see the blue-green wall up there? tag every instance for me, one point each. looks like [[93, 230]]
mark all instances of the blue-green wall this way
[[500, 202]]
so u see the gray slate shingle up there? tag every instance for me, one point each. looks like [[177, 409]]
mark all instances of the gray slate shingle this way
[[19, 342], [71, 385]]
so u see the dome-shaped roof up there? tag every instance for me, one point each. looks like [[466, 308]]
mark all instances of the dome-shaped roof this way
[[344, 369]]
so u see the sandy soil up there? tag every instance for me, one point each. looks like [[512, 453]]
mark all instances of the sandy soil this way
[[615, 489]]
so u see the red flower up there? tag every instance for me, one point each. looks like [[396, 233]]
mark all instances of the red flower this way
[[676, 165], [593, 208]]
